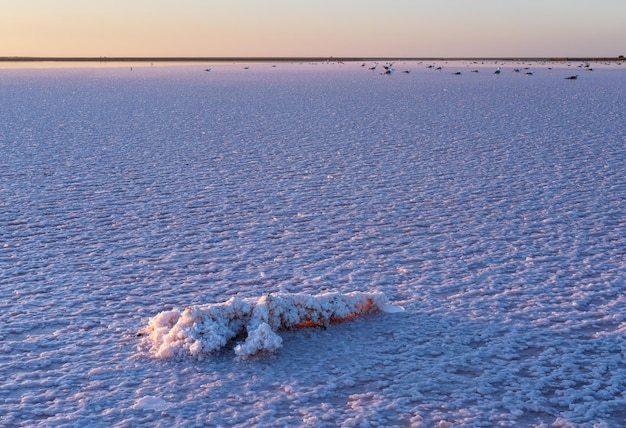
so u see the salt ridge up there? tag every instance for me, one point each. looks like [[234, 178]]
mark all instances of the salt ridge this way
[[201, 330]]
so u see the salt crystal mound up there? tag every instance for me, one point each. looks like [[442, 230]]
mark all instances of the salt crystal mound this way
[[201, 330]]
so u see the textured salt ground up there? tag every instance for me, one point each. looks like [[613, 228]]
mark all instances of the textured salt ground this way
[[491, 208]]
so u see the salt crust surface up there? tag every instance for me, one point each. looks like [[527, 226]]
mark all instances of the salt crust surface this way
[[490, 207]]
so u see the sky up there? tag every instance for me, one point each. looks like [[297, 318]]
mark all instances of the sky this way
[[381, 28]]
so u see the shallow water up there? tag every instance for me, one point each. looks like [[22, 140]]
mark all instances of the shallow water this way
[[490, 207]]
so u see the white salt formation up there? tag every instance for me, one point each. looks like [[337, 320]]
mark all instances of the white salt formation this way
[[201, 330]]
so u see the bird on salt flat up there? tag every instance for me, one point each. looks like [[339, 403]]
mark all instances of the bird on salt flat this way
[[388, 69], [498, 71]]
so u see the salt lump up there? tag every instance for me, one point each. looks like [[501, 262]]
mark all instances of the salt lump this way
[[201, 330]]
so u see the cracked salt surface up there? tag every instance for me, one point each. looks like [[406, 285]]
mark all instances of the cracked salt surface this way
[[491, 207]]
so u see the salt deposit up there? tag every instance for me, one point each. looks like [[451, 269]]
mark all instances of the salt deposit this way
[[202, 330]]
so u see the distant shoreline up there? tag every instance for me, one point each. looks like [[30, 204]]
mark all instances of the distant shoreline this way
[[298, 59]]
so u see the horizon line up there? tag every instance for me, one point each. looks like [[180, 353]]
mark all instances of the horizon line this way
[[294, 58]]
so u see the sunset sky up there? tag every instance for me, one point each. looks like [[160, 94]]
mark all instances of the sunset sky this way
[[409, 28]]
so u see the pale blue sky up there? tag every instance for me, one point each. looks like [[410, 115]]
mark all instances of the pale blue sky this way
[[418, 28]]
